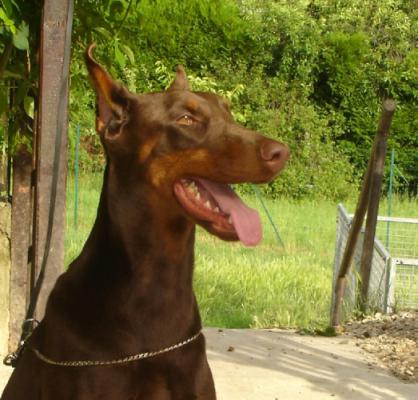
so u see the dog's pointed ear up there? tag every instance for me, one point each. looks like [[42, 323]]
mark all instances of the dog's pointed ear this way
[[111, 98], [180, 81]]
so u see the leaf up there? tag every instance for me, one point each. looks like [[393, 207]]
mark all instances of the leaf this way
[[129, 53], [29, 106], [22, 92], [8, 8], [7, 21], [11, 74], [20, 38], [119, 56], [17, 6], [104, 32]]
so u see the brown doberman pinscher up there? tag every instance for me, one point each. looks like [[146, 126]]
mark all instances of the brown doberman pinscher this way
[[122, 323]]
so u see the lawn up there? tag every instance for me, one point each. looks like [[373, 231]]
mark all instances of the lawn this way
[[267, 286]]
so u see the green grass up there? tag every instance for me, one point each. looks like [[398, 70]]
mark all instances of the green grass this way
[[270, 285], [266, 286], [88, 197]]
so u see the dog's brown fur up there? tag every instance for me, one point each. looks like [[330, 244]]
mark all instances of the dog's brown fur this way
[[130, 290]]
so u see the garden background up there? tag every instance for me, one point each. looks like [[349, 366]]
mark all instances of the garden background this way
[[311, 73]]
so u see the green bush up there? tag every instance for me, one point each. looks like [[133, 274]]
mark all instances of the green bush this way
[[310, 73]]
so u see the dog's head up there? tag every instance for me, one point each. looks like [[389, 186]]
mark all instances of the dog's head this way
[[186, 146]]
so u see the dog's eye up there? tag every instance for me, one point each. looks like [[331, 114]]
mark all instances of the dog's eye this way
[[186, 120]]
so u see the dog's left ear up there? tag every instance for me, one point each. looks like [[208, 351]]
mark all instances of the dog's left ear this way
[[180, 82], [112, 99]]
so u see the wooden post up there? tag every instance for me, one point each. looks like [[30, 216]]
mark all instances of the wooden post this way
[[4, 274], [373, 206], [3, 157], [353, 234], [50, 160], [362, 205], [20, 244]]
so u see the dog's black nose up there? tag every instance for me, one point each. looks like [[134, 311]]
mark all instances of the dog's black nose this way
[[274, 154]]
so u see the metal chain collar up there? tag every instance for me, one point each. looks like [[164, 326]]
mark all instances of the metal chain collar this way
[[92, 363]]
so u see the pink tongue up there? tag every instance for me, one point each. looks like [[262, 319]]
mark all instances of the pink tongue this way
[[245, 220]]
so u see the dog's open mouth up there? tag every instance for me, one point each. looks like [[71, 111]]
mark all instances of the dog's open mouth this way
[[219, 210]]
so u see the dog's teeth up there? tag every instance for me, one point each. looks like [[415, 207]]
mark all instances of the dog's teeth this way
[[216, 209], [193, 188], [197, 195], [207, 205], [230, 220]]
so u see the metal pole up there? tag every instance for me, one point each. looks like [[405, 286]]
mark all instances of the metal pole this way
[[76, 173], [276, 231], [392, 168]]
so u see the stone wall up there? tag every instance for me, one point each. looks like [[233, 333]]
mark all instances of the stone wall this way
[[5, 213]]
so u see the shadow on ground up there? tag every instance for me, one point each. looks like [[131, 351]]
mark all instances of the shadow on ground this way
[[261, 364], [282, 365]]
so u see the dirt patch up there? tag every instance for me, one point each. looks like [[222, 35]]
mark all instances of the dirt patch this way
[[392, 339]]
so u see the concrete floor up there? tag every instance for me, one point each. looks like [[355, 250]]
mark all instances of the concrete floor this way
[[282, 365]]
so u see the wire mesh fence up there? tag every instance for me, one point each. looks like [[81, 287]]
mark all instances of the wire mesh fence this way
[[394, 269], [399, 235], [406, 283]]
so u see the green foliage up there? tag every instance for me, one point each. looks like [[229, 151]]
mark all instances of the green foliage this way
[[19, 33], [369, 53], [21, 37], [191, 31], [312, 73]]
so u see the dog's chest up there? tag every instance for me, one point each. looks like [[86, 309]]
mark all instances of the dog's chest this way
[[158, 387]]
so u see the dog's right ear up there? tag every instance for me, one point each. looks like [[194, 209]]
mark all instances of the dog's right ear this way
[[111, 99], [180, 81]]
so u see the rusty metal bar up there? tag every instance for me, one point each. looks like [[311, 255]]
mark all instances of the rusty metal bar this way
[[52, 121]]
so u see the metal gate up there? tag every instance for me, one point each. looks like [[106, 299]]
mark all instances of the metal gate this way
[[394, 269]]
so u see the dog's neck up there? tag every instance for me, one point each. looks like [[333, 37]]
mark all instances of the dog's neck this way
[[133, 278], [137, 235], [138, 264]]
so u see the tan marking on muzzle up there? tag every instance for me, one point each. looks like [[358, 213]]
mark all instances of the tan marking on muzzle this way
[[174, 165]]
